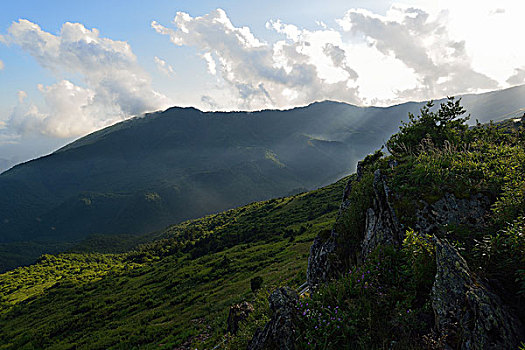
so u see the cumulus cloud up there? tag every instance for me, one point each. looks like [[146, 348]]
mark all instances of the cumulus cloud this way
[[164, 67], [297, 70], [209, 102], [518, 77], [440, 63], [407, 53], [114, 87]]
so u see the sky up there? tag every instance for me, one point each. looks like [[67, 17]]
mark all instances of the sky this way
[[68, 68]]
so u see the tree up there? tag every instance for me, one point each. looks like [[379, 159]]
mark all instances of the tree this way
[[256, 283], [444, 125]]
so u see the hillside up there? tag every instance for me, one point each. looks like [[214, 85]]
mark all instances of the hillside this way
[[149, 172], [428, 250], [175, 290], [425, 241]]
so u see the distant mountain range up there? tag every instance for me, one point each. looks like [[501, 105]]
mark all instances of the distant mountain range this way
[[142, 174]]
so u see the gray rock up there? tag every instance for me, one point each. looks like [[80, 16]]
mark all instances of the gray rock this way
[[348, 188], [279, 332], [238, 313], [451, 210], [468, 315], [323, 262], [382, 226]]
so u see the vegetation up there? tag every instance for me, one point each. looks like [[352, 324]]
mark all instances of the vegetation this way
[[384, 302], [146, 173], [177, 289], [169, 292]]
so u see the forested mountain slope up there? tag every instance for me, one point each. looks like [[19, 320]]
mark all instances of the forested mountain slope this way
[[148, 172]]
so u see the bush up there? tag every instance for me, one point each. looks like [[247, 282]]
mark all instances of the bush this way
[[256, 283], [371, 306], [444, 125]]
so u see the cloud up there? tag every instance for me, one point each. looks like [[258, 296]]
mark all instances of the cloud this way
[[518, 77], [21, 96], [406, 54], [209, 102], [422, 43], [164, 67], [114, 87], [497, 11], [1, 65], [297, 70]]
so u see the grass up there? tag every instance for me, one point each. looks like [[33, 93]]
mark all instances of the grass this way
[[384, 301], [168, 292]]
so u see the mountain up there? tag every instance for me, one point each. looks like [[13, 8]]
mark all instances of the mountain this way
[[422, 249], [148, 172]]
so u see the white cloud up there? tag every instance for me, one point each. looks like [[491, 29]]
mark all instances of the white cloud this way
[[518, 77], [21, 96], [256, 73], [164, 67], [115, 86], [412, 52], [497, 11], [422, 43], [490, 32], [212, 65]]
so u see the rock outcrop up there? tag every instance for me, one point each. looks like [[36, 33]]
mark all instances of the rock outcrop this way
[[449, 209], [280, 331], [323, 262], [382, 226], [468, 315], [238, 313]]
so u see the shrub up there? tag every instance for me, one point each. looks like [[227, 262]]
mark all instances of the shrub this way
[[256, 283], [444, 125]]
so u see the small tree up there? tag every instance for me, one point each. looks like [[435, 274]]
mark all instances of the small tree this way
[[256, 283], [444, 125]]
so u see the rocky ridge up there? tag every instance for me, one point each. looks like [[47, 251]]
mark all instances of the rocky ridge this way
[[468, 314]]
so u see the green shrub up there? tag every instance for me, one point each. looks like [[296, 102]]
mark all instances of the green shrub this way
[[350, 225], [256, 283], [501, 256], [419, 251], [371, 306], [444, 125]]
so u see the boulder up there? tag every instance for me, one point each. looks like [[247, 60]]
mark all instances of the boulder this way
[[468, 314], [381, 228], [279, 332], [238, 313]]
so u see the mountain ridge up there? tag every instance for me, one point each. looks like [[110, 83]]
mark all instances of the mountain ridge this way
[[149, 172]]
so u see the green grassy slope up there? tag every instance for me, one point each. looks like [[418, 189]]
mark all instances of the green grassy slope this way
[[146, 173], [167, 292]]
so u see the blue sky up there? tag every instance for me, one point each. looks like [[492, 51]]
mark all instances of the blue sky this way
[[117, 59]]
